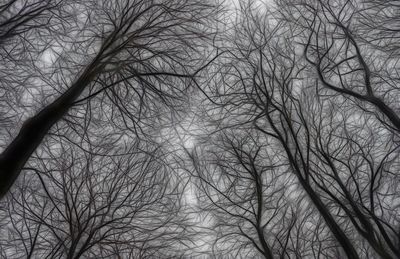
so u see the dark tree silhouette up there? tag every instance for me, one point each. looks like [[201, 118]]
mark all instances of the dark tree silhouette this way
[[171, 129], [139, 48], [78, 205], [251, 199]]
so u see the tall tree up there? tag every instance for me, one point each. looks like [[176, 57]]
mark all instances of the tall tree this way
[[136, 48], [270, 85], [250, 199]]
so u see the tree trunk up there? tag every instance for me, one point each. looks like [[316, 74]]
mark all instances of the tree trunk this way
[[17, 153]]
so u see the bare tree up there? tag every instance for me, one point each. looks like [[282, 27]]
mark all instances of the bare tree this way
[[345, 60], [266, 78], [269, 85], [23, 23], [137, 49], [287, 146], [76, 204], [251, 200]]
